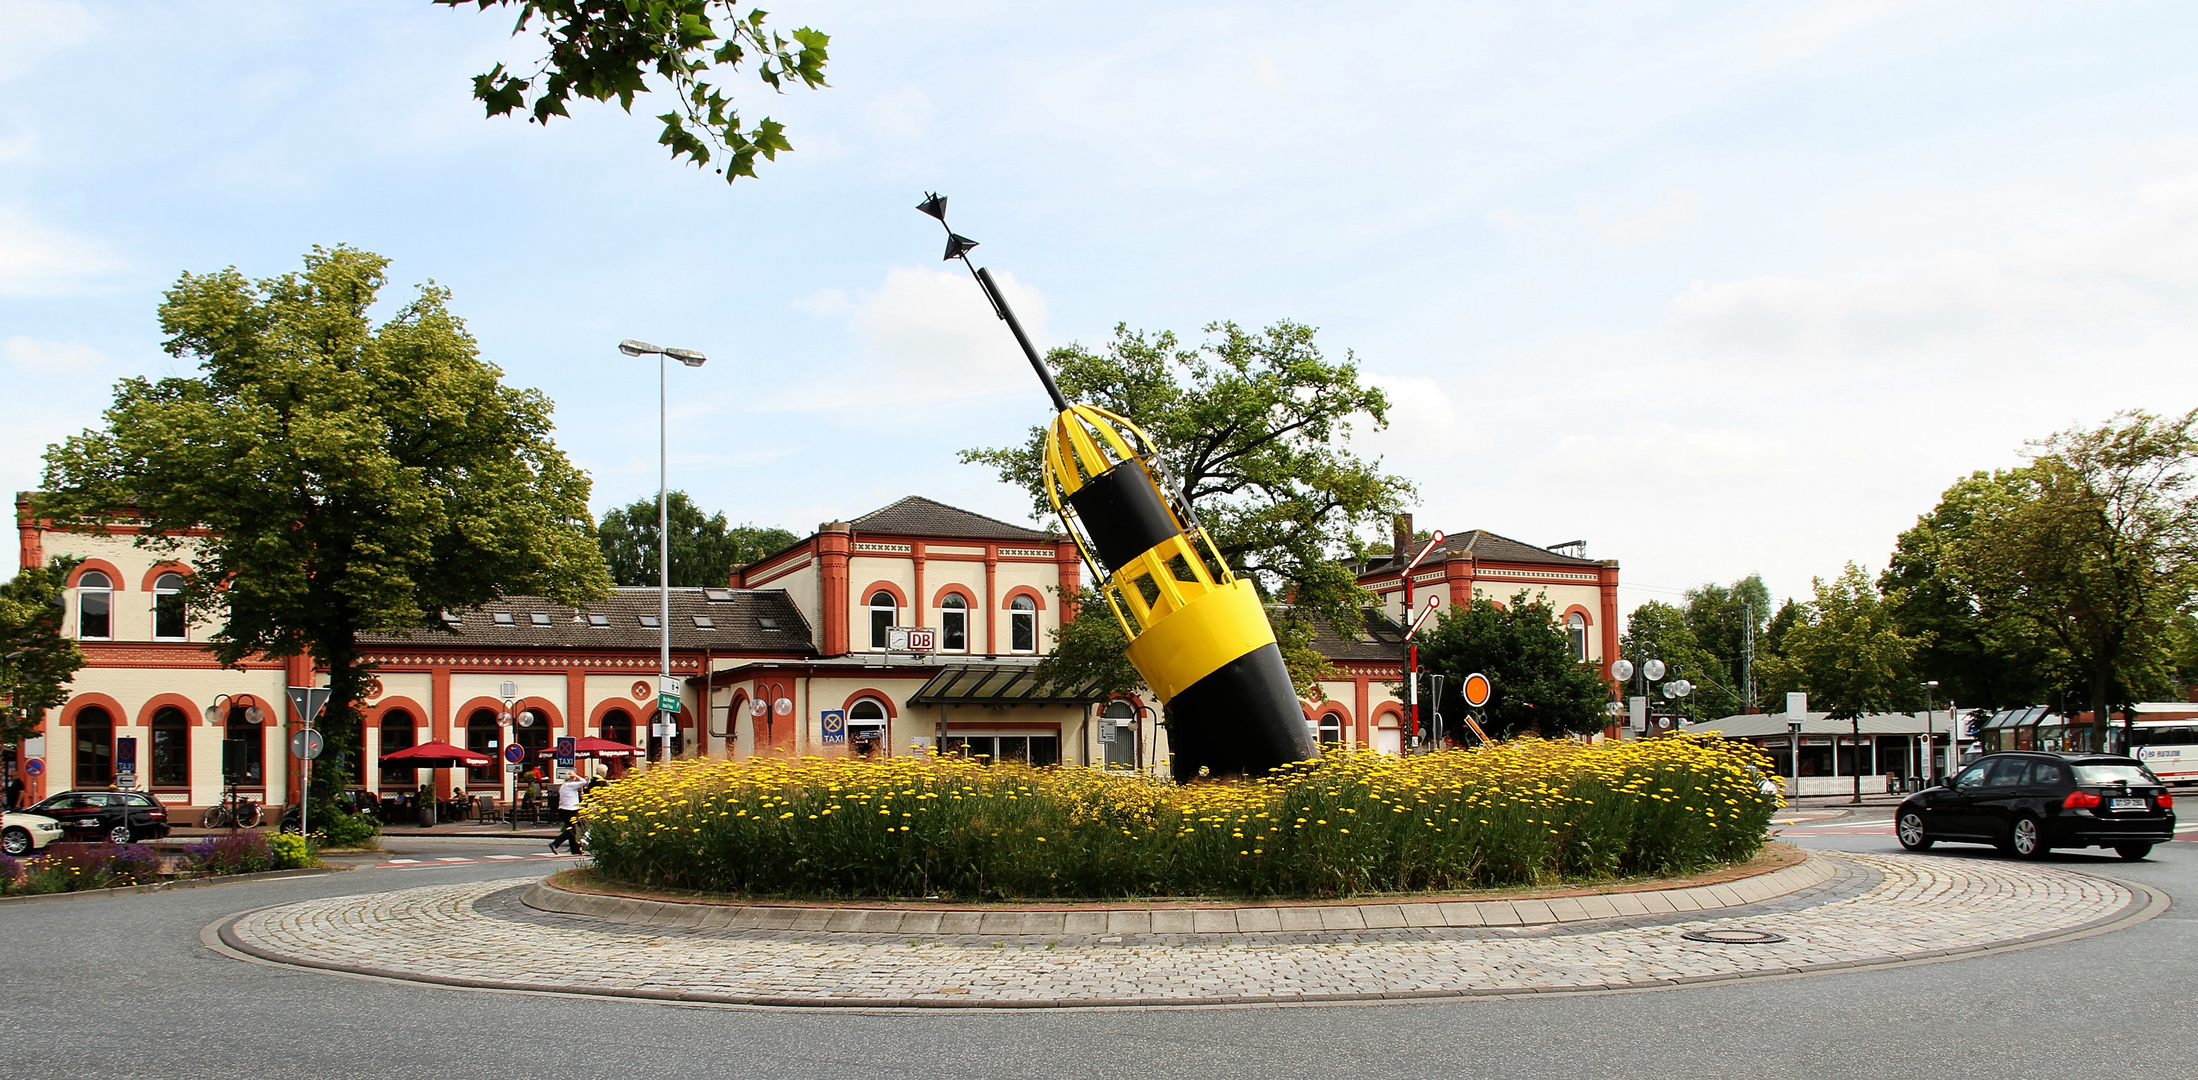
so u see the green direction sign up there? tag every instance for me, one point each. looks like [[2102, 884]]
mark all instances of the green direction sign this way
[[667, 694]]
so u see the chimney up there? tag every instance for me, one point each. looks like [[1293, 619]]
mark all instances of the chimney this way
[[1400, 537]]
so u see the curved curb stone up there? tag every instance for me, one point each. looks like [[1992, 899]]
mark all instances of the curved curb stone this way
[[1118, 919], [1917, 908]]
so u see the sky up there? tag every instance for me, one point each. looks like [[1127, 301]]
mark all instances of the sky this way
[[1719, 288]]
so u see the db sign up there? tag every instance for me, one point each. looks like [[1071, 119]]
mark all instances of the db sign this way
[[910, 638]]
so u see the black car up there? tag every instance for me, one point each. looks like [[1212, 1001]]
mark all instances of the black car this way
[[2030, 803], [117, 817]]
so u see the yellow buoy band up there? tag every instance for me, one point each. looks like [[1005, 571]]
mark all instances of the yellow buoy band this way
[[1197, 639]]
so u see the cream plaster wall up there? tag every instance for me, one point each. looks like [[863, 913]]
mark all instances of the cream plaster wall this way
[[865, 570]]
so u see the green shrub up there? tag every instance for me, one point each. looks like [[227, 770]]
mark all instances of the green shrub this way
[[336, 828], [288, 852], [1525, 812]]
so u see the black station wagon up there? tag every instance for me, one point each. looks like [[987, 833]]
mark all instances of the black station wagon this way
[[2030, 803], [117, 817]]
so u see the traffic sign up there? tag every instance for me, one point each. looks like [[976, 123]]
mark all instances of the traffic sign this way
[[667, 694], [511, 767], [307, 744], [564, 751], [1477, 690], [835, 727], [35, 766], [514, 754], [309, 700]]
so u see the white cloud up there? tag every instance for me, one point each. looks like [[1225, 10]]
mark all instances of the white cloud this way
[[36, 260], [50, 355], [36, 29], [1422, 422], [927, 336]]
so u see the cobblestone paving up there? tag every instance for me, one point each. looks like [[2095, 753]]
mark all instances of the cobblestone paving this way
[[1903, 907]]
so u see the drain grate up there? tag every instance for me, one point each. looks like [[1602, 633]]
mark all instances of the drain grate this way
[[1734, 937]]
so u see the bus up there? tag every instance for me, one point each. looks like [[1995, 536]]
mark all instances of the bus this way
[[2164, 735]]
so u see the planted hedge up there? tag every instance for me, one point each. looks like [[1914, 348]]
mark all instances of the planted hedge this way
[[1526, 812]]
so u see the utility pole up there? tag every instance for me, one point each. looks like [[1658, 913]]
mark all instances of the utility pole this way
[[1747, 656]]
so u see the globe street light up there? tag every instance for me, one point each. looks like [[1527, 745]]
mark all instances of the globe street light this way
[[692, 359]]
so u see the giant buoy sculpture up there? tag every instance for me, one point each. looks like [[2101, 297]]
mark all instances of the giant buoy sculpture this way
[[1198, 634]]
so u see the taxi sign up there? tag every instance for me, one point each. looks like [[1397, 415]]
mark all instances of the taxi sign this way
[[835, 727], [564, 751]]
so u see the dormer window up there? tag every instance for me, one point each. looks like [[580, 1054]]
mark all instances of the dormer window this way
[[599, 621], [541, 618], [704, 622], [503, 618], [650, 621], [767, 622], [717, 596], [451, 619]]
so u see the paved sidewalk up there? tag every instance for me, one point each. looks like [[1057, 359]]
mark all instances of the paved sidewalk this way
[[1877, 909]]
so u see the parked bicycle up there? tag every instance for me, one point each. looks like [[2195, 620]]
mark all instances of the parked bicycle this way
[[233, 812]]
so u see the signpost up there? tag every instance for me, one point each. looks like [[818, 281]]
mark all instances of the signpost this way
[[308, 700], [564, 756], [1477, 690], [125, 762], [834, 722]]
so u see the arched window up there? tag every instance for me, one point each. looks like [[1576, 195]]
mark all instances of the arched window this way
[[94, 608], [885, 612], [1022, 625], [399, 732], [1118, 730], [1576, 631], [954, 623], [481, 738], [94, 744], [618, 726], [171, 749], [866, 734], [1331, 729], [169, 623], [244, 745]]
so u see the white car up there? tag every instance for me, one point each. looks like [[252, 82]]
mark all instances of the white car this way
[[21, 834]]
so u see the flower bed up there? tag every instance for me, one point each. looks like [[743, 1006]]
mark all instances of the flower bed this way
[[76, 867], [1527, 812]]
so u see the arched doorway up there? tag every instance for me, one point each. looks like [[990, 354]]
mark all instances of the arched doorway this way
[[533, 732], [866, 729], [94, 746], [399, 732], [171, 750], [482, 735], [244, 746]]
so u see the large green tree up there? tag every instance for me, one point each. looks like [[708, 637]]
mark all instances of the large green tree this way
[[704, 549], [36, 660], [2094, 552], [327, 477], [1848, 652], [1981, 656], [1536, 686], [1254, 429], [1660, 631], [605, 50]]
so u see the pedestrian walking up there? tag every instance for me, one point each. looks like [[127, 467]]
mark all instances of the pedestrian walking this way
[[568, 812], [15, 792]]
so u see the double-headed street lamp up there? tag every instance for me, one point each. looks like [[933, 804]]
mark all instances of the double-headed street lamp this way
[[692, 359], [1648, 671]]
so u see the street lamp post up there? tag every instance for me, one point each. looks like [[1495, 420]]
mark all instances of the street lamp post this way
[[1931, 735], [692, 359]]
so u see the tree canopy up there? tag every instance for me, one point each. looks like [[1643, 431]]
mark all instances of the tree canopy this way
[[1535, 684], [326, 477], [1254, 428], [704, 550], [608, 49], [36, 660], [1848, 652]]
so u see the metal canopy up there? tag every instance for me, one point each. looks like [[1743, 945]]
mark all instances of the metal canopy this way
[[999, 684]]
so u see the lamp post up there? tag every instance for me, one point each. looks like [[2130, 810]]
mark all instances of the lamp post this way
[[1930, 733], [692, 359], [1642, 674]]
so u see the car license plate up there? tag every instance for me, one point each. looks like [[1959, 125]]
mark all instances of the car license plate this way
[[2125, 804]]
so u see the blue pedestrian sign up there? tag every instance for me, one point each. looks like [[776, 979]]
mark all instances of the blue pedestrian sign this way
[[835, 727]]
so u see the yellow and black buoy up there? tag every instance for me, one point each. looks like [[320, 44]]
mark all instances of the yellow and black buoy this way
[[1198, 634]]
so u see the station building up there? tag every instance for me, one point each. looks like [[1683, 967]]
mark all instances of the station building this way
[[797, 655]]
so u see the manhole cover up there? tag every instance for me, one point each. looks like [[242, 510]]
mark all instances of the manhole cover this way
[[1734, 937]]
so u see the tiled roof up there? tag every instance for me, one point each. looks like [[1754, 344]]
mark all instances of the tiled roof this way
[[918, 516], [742, 620], [1379, 640], [1482, 544]]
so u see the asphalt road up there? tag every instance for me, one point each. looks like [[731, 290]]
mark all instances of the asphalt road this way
[[115, 988]]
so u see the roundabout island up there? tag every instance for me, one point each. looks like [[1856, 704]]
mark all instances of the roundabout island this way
[[1827, 912]]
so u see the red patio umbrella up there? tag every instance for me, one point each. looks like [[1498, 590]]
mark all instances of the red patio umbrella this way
[[590, 746], [438, 755]]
